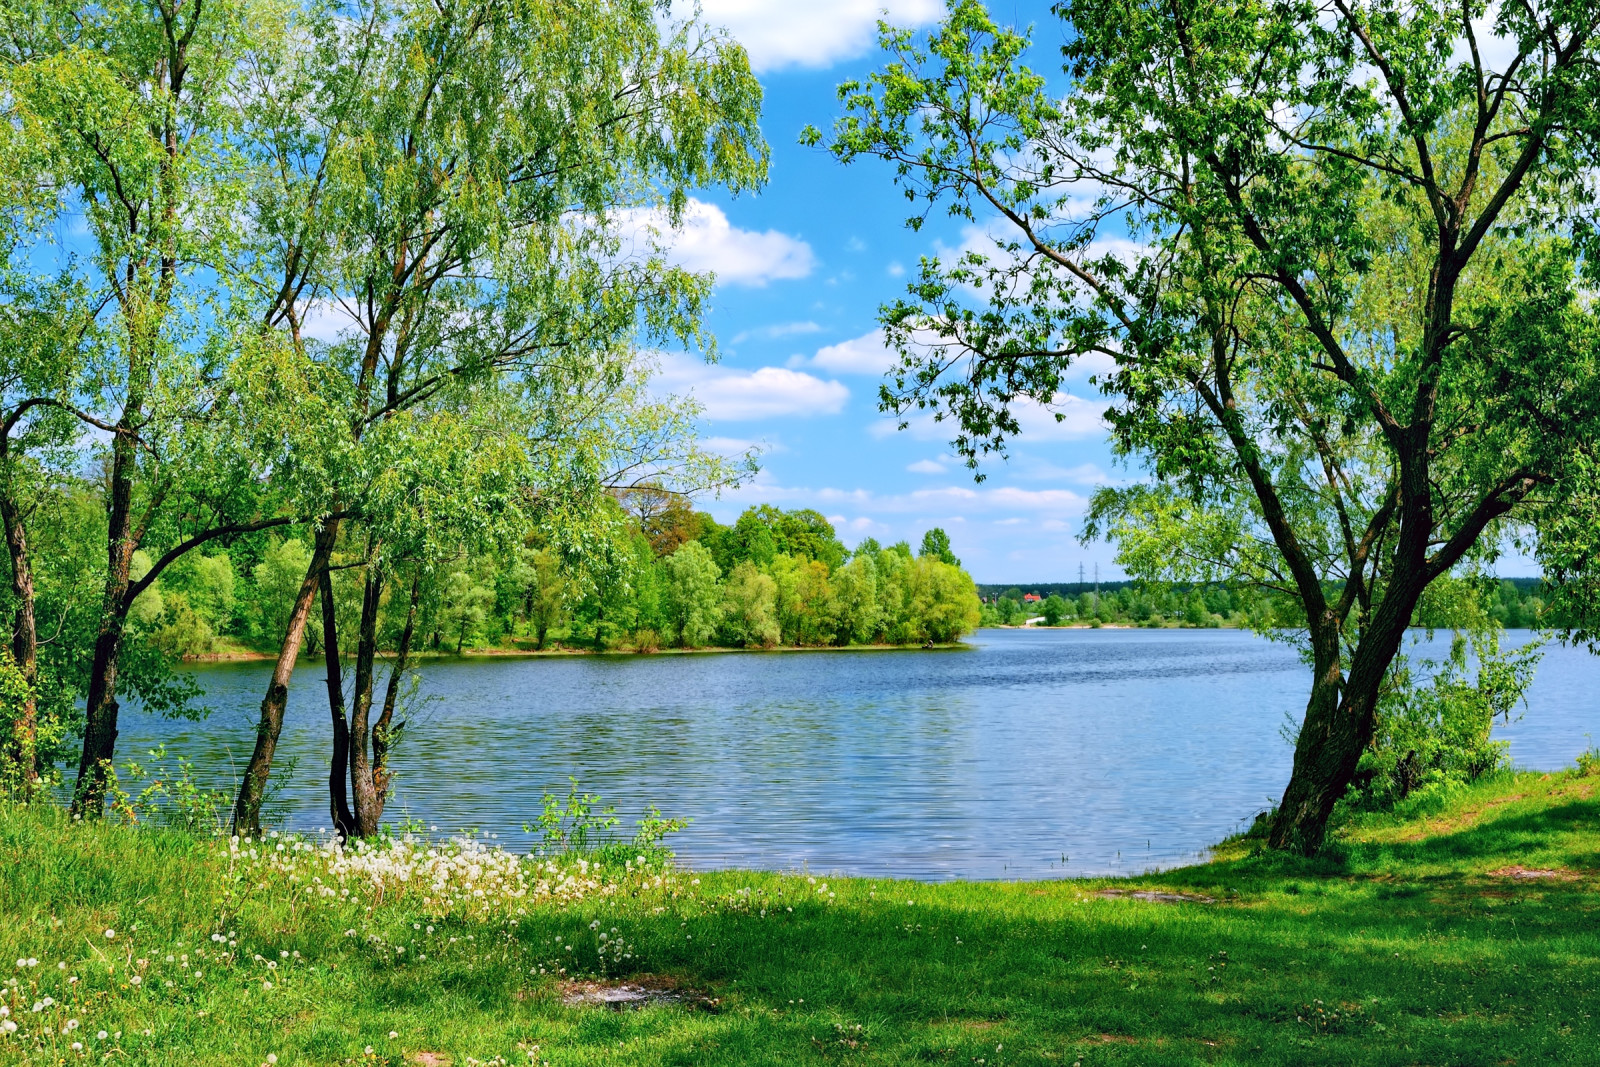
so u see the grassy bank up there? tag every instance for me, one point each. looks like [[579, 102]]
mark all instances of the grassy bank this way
[[1469, 937]]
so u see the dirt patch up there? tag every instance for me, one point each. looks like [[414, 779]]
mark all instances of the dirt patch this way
[[641, 991], [429, 1059], [1558, 874], [1158, 898]]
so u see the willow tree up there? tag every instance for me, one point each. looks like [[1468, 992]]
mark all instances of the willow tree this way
[[449, 211], [1327, 260]]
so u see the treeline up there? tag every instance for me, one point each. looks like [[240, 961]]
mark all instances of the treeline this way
[[1510, 603], [671, 578]]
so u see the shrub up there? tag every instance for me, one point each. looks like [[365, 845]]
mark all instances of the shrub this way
[[1436, 734]]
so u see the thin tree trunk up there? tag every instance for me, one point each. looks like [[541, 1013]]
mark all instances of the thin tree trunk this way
[[380, 729], [23, 745], [368, 804], [338, 798], [247, 809], [100, 710]]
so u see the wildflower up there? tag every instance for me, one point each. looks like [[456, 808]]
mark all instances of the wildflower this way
[[110, 934], [272, 1057], [72, 1024], [77, 1046], [393, 1034], [101, 1036]]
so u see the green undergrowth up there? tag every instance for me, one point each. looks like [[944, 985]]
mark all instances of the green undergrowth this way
[[1469, 935]]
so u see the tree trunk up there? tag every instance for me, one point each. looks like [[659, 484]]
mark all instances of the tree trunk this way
[[22, 747], [100, 709], [1341, 718], [368, 803], [380, 729], [247, 809], [338, 798]]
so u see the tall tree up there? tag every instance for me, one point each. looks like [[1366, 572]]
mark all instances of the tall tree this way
[[451, 204], [1328, 260], [129, 107]]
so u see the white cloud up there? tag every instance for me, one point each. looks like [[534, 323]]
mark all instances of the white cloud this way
[[866, 354], [707, 241], [727, 393], [780, 33], [926, 466], [777, 330], [1042, 471], [1079, 418], [738, 446]]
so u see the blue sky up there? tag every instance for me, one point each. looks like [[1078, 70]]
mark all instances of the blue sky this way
[[802, 268]]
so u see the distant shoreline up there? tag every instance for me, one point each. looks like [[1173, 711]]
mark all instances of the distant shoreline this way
[[240, 656]]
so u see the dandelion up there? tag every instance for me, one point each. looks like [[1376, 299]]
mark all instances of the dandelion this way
[[101, 1036], [272, 1057], [110, 934], [393, 1034], [77, 1046]]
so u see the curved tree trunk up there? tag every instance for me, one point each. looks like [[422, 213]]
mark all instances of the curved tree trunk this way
[[100, 709], [247, 809], [338, 798], [1341, 718]]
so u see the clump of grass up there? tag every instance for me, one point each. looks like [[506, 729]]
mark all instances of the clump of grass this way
[[1463, 937]]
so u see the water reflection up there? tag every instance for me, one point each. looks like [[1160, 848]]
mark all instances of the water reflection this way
[[1032, 754]]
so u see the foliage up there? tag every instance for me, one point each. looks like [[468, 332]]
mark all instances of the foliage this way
[[1331, 268], [572, 828], [1433, 733]]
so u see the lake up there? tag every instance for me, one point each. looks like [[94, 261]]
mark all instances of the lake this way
[[1029, 754]]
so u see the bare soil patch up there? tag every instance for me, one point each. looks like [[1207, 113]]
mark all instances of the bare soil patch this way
[[1155, 897], [1559, 874], [640, 991]]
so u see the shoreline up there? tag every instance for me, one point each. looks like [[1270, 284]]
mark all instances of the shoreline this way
[[243, 656]]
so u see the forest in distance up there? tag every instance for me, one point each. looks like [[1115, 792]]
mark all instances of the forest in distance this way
[[677, 579], [1508, 603]]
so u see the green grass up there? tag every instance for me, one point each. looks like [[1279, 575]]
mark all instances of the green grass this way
[[1402, 945]]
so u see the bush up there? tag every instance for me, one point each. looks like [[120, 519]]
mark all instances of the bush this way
[[1434, 735]]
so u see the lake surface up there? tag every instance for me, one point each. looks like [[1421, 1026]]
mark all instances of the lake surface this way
[[1030, 754]]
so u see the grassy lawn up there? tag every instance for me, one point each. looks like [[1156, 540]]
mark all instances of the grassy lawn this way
[[1422, 942]]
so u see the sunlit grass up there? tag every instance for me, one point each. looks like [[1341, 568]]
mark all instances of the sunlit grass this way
[[1411, 942]]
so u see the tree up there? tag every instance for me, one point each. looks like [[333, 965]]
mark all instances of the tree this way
[[1327, 264], [131, 114], [1054, 609], [749, 607], [453, 191], [692, 600], [936, 543]]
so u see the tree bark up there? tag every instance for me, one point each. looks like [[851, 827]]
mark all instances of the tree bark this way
[[338, 797], [22, 747], [1341, 718], [380, 729], [368, 802], [100, 710], [247, 809]]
